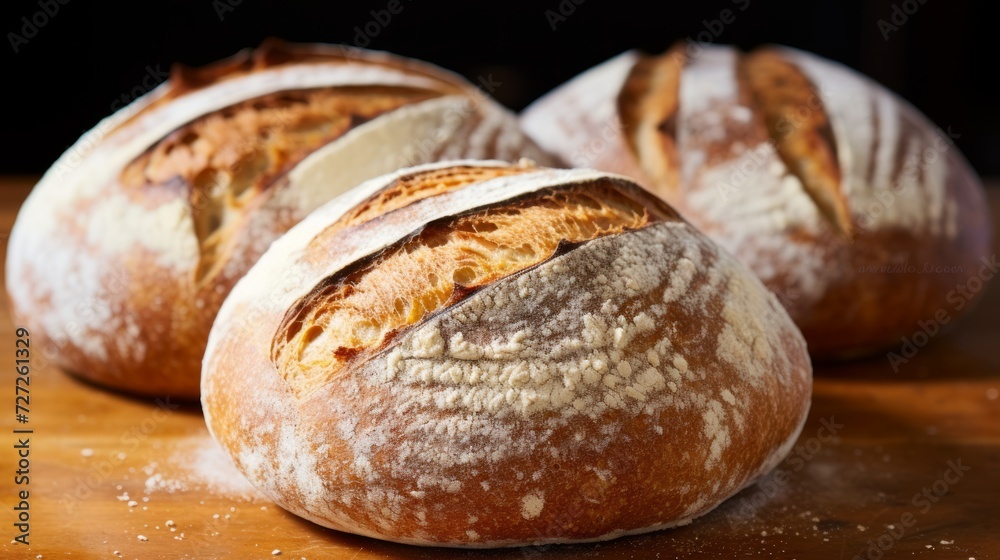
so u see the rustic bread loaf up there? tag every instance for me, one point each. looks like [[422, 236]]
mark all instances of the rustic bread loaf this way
[[475, 354], [122, 255], [823, 182]]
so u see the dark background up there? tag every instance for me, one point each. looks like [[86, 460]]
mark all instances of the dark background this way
[[66, 77]]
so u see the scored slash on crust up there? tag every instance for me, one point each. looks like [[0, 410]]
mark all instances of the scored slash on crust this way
[[364, 307], [800, 129], [645, 366], [789, 104], [183, 190], [226, 159]]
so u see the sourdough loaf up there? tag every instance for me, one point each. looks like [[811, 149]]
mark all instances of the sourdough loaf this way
[[122, 255], [847, 202], [476, 354]]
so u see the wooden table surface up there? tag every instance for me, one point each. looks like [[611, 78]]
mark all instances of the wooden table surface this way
[[112, 476]]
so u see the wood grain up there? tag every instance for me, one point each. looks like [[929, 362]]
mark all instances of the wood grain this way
[[896, 433]]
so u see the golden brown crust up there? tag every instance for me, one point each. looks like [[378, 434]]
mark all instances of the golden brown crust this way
[[905, 279], [417, 186], [797, 122], [274, 53], [362, 308], [228, 158], [823, 182], [629, 383], [172, 199], [648, 105]]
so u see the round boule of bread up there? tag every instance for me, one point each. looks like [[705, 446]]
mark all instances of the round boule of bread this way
[[123, 253], [477, 354], [848, 203]]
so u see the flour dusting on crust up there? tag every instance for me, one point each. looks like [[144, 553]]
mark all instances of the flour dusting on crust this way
[[552, 398]]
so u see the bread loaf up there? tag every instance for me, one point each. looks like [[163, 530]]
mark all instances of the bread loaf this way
[[122, 255], [475, 354], [823, 182]]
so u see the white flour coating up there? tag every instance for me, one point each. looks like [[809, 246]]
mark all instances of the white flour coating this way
[[418, 133], [754, 222], [76, 289], [680, 280], [894, 164], [105, 160], [282, 278], [111, 221], [80, 281], [904, 186], [579, 120], [582, 359], [447, 409], [532, 505], [591, 370], [708, 89], [744, 341], [376, 148], [746, 198], [201, 466]]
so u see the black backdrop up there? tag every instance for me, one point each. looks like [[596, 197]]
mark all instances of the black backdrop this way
[[70, 68]]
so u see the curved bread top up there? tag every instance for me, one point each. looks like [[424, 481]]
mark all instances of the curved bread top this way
[[356, 312], [784, 157], [833, 134], [100, 156], [536, 376], [181, 197], [430, 250], [275, 53], [227, 158]]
